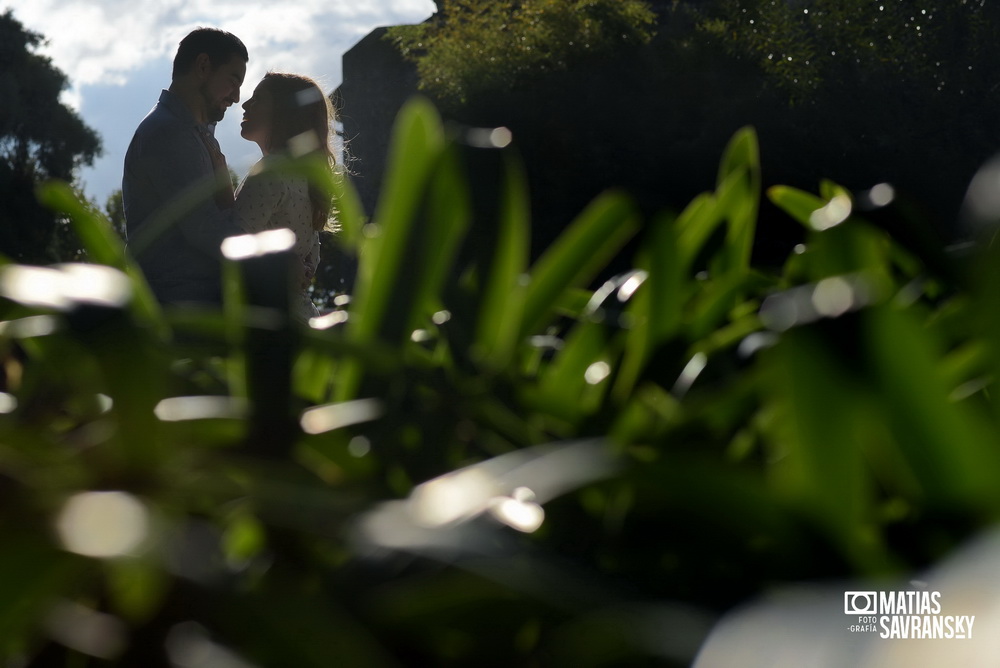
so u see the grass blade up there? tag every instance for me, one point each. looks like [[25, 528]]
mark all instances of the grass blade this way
[[576, 256]]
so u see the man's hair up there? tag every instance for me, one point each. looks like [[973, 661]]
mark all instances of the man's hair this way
[[220, 46]]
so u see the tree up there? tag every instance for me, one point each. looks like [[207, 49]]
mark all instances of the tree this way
[[471, 46], [40, 139], [933, 49], [114, 209]]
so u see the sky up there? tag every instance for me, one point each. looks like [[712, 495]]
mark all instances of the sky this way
[[118, 56]]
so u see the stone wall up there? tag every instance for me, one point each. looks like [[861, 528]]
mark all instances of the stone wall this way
[[377, 81]]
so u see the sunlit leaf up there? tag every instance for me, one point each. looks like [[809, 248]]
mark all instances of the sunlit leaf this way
[[656, 310], [500, 312], [437, 239], [418, 139], [588, 244], [828, 190], [102, 245], [695, 225], [350, 213], [580, 364], [137, 586], [797, 203], [741, 161]]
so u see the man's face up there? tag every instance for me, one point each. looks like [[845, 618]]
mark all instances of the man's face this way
[[221, 88]]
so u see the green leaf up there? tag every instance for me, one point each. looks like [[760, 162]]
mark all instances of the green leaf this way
[[313, 375], [828, 190], [741, 161], [798, 204], [417, 142], [695, 225], [640, 340], [966, 364], [503, 296], [103, 246], [716, 299], [817, 463], [32, 576], [855, 247], [949, 445], [666, 282], [656, 309], [243, 538], [438, 234], [564, 382], [350, 212], [137, 587], [645, 417], [286, 632], [575, 257], [99, 240], [418, 139]]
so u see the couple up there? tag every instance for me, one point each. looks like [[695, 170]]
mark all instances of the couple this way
[[173, 228]]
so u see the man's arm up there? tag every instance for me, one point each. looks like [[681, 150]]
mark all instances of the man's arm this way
[[180, 171]]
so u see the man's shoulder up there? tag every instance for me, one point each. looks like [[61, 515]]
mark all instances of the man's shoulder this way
[[160, 119], [161, 130]]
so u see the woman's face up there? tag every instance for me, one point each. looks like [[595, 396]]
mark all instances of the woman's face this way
[[258, 113]]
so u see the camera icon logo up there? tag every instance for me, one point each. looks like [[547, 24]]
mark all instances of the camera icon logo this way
[[860, 602]]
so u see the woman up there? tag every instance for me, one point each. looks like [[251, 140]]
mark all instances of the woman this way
[[288, 117]]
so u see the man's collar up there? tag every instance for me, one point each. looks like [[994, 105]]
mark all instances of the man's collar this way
[[175, 105]]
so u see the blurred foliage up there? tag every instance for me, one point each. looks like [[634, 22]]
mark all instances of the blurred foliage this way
[[470, 46], [114, 209], [481, 460], [930, 48], [40, 138]]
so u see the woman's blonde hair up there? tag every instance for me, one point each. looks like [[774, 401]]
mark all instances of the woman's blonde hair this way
[[302, 124]]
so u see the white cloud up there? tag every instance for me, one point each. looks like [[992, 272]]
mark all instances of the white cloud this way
[[108, 48], [96, 42], [103, 41]]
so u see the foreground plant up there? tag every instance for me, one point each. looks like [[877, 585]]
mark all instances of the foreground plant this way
[[481, 457]]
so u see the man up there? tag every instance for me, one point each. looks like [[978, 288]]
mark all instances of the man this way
[[172, 221]]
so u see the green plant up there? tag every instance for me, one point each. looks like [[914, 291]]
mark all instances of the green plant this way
[[482, 460]]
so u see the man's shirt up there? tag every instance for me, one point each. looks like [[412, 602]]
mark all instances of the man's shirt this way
[[173, 225]]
